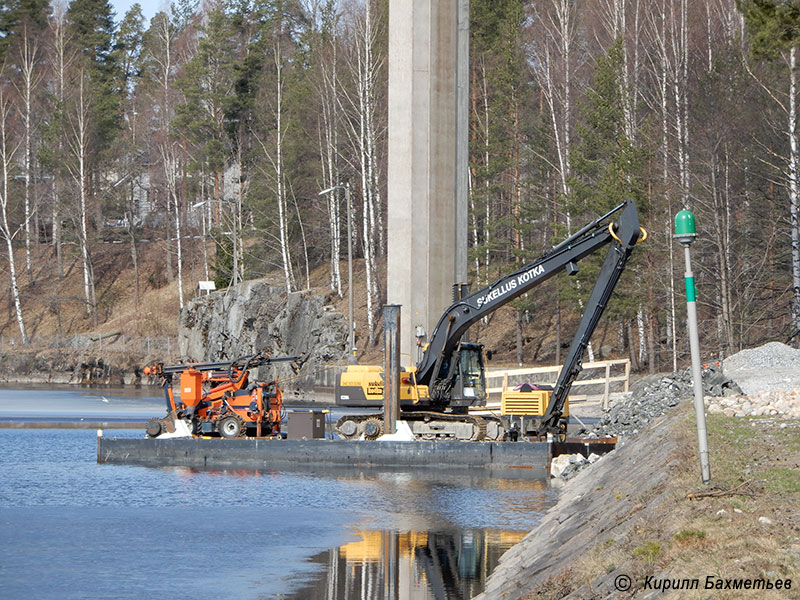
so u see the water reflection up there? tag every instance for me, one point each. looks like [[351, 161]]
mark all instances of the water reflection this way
[[413, 565]]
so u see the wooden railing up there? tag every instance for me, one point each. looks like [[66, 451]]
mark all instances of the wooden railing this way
[[549, 375]]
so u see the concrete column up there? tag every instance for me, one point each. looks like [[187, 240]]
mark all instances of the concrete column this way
[[423, 38], [462, 142], [391, 369]]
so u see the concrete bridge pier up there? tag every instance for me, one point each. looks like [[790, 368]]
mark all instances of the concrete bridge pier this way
[[427, 161]]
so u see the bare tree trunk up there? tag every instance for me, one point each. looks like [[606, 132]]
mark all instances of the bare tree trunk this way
[[135, 260], [365, 67], [640, 322], [472, 210], [79, 145], [632, 347], [558, 330], [684, 104], [371, 69], [329, 152], [205, 218], [303, 238], [794, 176], [652, 327], [7, 158], [370, 193], [555, 80], [486, 162], [29, 61], [169, 162], [61, 62], [288, 274], [673, 314]]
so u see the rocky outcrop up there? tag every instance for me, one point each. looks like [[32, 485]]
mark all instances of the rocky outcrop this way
[[255, 317], [64, 366]]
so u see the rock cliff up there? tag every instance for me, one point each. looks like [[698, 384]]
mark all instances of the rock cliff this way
[[256, 316]]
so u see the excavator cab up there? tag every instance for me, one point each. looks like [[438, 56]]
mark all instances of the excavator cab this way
[[473, 374], [468, 381]]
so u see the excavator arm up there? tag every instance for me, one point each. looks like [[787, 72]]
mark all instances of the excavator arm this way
[[622, 235]]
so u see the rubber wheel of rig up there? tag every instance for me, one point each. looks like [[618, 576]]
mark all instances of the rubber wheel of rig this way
[[373, 429], [230, 427], [153, 427]]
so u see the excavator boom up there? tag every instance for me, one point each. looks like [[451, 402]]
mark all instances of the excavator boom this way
[[623, 234]]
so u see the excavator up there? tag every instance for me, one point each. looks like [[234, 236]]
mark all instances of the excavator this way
[[450, 376], [218, 398]]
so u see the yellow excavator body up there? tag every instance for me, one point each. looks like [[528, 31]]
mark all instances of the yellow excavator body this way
[[362, 385]]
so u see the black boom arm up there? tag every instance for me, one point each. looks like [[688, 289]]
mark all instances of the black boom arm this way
[[624, 234]]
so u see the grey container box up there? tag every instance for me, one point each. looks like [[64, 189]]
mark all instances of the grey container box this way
[[306, 425]]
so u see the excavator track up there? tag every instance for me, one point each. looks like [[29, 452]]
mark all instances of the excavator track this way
[[426, 426]]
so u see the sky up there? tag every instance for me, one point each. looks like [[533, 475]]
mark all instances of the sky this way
[[149, 8]]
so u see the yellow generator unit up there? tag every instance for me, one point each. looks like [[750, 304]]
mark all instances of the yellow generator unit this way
[[522, 409]]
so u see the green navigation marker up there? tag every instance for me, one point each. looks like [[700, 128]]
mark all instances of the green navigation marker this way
[[685, 233]]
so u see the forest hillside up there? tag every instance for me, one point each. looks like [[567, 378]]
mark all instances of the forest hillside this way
[[138, 158]]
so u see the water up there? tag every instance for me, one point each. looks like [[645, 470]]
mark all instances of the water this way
[[70, 528]]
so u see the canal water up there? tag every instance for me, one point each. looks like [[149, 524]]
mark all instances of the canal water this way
[[70, 528]]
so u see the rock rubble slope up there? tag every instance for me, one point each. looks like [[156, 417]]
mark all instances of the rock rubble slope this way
[[593, 507], [653, 396]]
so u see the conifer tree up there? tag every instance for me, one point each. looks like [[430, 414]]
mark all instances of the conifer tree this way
[[608, 169], [15, 13], [91, 29]]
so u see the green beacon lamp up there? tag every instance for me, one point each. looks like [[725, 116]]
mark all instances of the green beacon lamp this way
[[685, 231]]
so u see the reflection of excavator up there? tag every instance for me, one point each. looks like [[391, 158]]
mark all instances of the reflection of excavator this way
[[450, 377], [219, 398]]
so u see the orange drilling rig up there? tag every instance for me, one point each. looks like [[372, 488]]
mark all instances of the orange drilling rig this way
[[219, 398]]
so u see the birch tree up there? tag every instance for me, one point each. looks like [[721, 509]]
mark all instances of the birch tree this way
[[130, 44], [329, 123], [161, 65], [659, 61], [169, 154], [365, 68], [273, 152], [8, 150], [551, 54], [31, 74], [78, 136], [62, 58]]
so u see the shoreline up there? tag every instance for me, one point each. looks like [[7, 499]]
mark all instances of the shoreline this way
[[109, 425]]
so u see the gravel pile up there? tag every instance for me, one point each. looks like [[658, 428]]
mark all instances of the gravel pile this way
[[762, 381], [652, 396], [773, 355], [771, 367]]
